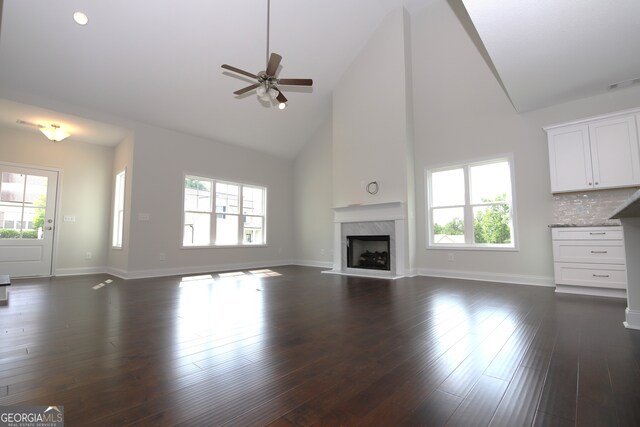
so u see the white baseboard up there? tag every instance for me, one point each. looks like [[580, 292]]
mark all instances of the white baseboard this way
[[122, 274], [489, 277], [179, 271], [632, 319], [311, 263], [78, 271], [590, 291]]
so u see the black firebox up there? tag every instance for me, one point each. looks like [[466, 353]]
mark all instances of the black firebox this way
[[369, 252]]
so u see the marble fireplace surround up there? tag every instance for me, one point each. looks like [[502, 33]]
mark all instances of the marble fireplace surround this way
[[375, 219]]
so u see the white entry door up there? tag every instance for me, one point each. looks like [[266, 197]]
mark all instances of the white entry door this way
[[27, 213]]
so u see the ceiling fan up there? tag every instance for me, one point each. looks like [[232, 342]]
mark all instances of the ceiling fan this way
[[267, 84]]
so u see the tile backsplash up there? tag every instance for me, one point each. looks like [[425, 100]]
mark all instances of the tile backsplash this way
[[589, 207]]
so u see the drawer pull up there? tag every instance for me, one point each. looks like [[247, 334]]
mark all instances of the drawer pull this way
[[598, 233], [598, 252], [600, 275]]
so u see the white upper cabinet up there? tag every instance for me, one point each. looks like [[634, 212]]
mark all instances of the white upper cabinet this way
[[594, 154]]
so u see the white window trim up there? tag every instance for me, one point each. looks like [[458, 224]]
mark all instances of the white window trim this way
[[116, 211], [214, 214], [468, 208]]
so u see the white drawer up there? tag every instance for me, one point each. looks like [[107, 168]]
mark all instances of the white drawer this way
[[599, 276], [599, 252], [587, 233]]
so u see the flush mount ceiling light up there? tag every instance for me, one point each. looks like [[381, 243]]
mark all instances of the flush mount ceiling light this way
[[268, 86], [81, 18], [53, 132]]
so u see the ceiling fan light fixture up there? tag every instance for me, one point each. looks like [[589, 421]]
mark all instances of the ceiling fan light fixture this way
[[267, 85], [54, 133]]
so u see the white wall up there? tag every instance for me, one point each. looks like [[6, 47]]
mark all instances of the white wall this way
[[161, 158], [462, 113], [312, 200], [370, 132], [156, 161], [85, 190]]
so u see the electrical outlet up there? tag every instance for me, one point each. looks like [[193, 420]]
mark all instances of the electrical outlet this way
[[162, 256], [88, 255], [451, 256]]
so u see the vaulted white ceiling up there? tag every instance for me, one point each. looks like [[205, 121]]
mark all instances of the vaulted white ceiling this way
[[551, 51], [158, 61]]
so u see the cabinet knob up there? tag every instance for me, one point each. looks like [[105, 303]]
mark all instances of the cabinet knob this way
[[596, 182], [591, 183]]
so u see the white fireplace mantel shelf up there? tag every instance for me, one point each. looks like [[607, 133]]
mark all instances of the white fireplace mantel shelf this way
[[370, 212]]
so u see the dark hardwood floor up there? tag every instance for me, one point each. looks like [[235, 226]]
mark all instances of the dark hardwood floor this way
[[290, 346]]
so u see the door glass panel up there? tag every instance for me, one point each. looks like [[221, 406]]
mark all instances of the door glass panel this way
[[10, 221], [36, 190], [33, 223], [22, 207], [12, 187]]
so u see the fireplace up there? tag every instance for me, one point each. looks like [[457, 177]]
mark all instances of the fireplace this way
[[369, 252], [367, 224]]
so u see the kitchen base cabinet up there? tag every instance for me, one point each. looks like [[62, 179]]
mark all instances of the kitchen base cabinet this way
[[589, 261]]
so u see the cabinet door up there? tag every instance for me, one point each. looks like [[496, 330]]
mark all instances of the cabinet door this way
[[614, 152], [570, 158]]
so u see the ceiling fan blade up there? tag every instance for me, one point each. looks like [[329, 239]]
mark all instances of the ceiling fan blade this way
[[281, 98], [274, 63], [246, 89], [295, 82], [239, 71]]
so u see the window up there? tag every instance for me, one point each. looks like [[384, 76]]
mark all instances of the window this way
[[220, 213], [118, 210], [471, 205]]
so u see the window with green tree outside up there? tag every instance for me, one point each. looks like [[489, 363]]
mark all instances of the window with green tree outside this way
[[471, 205]]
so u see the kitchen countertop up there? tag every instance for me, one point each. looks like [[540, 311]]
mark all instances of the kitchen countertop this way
[[594, 224], [630, 208]]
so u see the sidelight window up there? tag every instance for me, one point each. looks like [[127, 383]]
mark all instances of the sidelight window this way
[[118, 210]]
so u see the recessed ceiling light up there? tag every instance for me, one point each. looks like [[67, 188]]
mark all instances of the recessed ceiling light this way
[[80, 18]]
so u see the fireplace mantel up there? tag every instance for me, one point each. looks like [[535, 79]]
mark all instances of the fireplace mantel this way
[[371, 213]]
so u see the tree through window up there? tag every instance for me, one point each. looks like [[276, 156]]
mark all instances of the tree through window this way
[[471, 205]]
